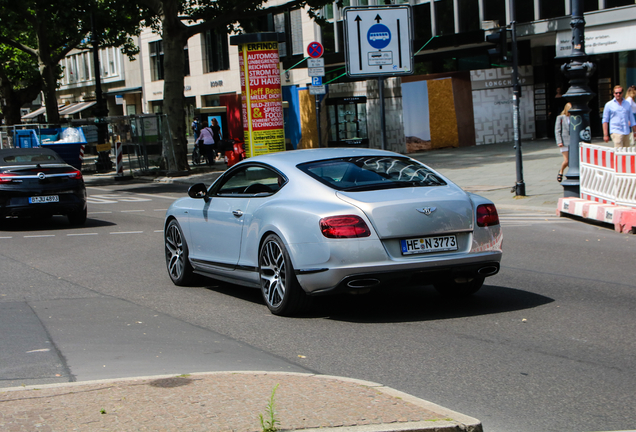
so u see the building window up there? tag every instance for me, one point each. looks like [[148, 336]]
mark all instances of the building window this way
[[296, 30], [156, 60], [445, 17], [617, 3], [186, 61], [422, 16], [524, 10], [495, 10], [551, 9], [215, 52], [468, 15], [348, 121], [590, 5]]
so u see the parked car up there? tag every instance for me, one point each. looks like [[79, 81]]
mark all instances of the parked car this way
[[37, 182], [309, 222]]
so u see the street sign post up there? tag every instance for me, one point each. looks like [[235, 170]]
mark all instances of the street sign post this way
[[378, 41]]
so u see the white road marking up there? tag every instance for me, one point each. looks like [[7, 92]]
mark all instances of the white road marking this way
[[5, 237], [81, 234], [126, 232], [132, 211], [39, 350], [40, 236], [100, 212]]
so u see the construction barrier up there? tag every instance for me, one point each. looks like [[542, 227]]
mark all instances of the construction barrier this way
[[608, 175], [608, 187]]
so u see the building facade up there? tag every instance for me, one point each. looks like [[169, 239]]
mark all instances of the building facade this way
[[457, 95]]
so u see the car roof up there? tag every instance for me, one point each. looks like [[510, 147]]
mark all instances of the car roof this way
[[295, 157]]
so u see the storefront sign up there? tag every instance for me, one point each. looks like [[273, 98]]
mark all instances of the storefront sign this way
[[262, 98], [499, 77], [599, 40]]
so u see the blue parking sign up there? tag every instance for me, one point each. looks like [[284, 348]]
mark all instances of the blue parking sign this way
[[317, 80]]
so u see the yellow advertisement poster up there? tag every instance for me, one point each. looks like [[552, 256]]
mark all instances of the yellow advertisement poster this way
[[261, 98]]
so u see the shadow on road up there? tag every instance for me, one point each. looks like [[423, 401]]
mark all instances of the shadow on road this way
[[29, 224], [421, 303]]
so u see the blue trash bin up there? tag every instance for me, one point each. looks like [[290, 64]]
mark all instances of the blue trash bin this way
[[25, 138], [69, 151]]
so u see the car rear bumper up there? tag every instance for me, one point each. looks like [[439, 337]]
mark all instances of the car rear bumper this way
[[20, 206], [327, 281]]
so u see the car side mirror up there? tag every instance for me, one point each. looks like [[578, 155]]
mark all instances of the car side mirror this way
[[198, 190]]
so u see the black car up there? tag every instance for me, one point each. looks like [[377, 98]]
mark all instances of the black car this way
[[37, 182]]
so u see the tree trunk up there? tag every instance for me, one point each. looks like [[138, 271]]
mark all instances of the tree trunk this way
[[174, 39], [14, 101], [50, 99]]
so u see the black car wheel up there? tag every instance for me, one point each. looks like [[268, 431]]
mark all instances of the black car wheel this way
[[179, 267], [280, 288], [457, 288], [78, 217]]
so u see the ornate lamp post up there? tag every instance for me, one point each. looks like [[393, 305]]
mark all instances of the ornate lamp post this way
[[578, 70]]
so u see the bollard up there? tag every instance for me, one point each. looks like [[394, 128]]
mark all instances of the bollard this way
[[120, 159]]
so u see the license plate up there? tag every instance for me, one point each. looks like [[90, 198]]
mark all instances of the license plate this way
[[44, 199], [428, 244]]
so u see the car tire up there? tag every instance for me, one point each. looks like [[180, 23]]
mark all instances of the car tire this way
[[281, 291], [78, 217], [179, 268], [454, 289]]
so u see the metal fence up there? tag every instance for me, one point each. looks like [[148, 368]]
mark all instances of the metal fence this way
[[142, 139]]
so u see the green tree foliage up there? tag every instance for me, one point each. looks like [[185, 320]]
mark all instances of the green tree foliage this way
[[55, 27], [178, 20]]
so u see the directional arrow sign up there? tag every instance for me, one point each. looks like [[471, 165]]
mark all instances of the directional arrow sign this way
[[378, 40]]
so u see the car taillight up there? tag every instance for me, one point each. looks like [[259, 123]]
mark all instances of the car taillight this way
[[348, 226], [487, 215], [6, 178], [77, 174]]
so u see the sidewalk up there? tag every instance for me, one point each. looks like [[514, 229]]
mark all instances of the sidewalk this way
[[224, 402]]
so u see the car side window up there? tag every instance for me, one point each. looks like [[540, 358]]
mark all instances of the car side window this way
[[251, 180]]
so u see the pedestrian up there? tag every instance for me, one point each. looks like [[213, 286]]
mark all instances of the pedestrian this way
[[206, 142], [630, 95], [562, 135], [195, 129], [618, 119], [216, 133]]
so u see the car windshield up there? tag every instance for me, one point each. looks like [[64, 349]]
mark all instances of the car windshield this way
[[371, 173]]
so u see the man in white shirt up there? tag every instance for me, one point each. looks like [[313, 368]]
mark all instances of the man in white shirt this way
[[618, 120]]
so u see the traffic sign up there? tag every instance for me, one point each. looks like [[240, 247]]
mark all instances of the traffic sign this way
[[378, 40], [314, 63], [316, 80], [317, 90], [318, 71], [315, 50]]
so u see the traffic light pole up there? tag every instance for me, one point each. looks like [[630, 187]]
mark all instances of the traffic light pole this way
[[520, 186]]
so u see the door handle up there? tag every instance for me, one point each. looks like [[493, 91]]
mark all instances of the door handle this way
[[237, 213]]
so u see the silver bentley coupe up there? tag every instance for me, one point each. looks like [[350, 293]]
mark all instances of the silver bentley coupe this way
[[301, 223]]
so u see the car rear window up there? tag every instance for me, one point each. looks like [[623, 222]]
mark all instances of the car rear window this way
[[26, 158], [371, 173]]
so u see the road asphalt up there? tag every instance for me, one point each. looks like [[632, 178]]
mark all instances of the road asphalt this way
[[233, 401]]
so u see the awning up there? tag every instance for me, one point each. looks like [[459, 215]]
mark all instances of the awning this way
[[37, 112], [34, 114], [123, 90], [76, 107]]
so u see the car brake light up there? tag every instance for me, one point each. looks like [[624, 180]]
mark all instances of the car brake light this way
[[348, 226], [487, 215], [77, 174], [6, 178]]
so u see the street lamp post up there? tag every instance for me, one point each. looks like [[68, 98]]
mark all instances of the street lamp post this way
[[578, 70]]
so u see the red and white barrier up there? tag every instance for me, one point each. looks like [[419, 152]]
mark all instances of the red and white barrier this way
[[119, 159], [608, 187]]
